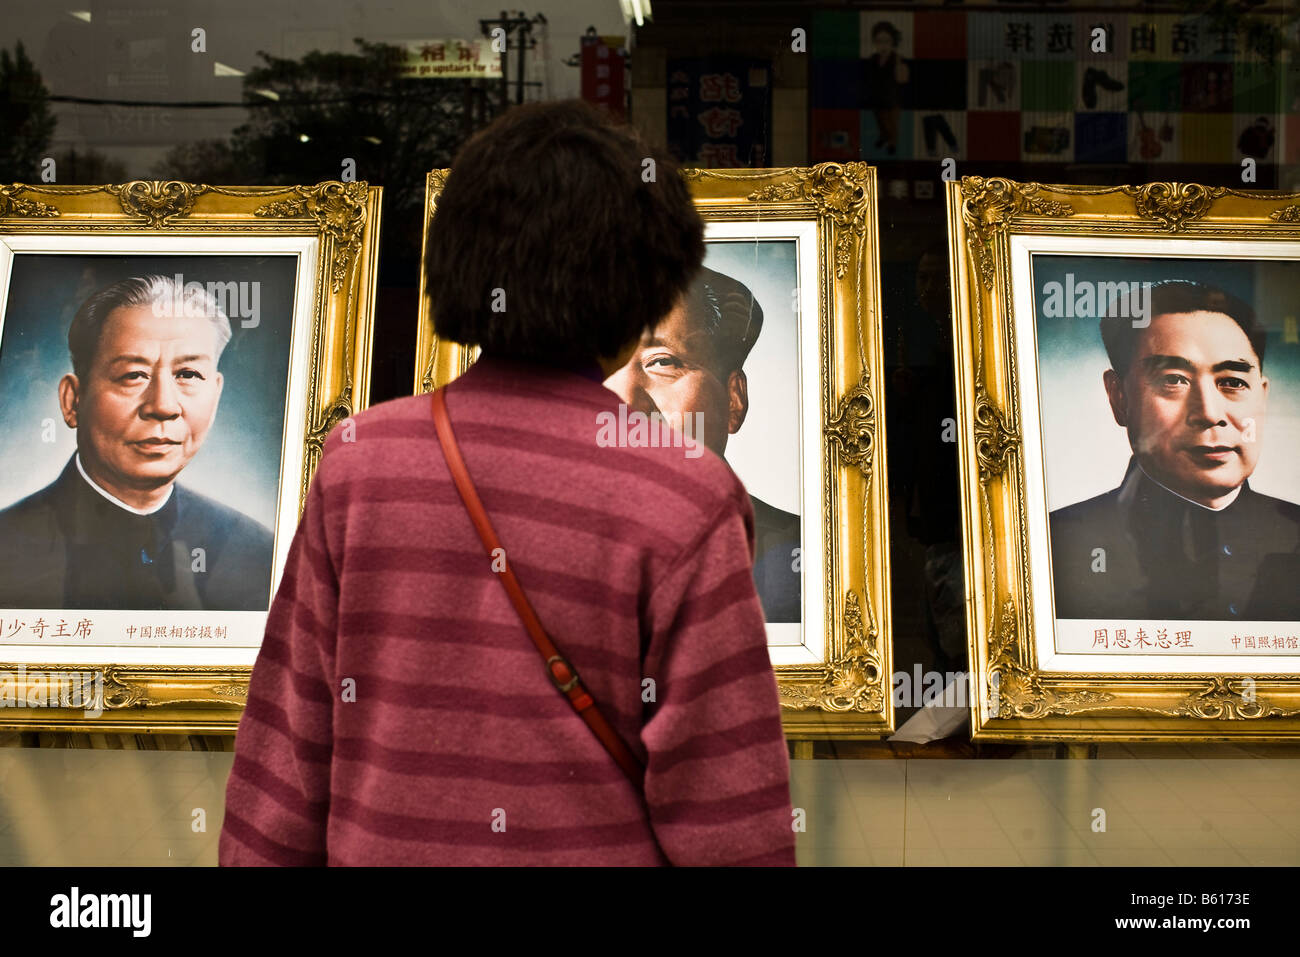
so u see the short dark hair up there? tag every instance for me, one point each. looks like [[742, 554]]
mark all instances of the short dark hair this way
[[555, 208], [729, 313], [1120, 336], [884, 26], [87, 325]]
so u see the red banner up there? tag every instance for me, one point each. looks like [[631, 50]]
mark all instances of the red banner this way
[[604, 69]]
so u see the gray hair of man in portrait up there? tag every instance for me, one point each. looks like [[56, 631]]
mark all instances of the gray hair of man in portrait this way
[[161, 293], [729, 313]]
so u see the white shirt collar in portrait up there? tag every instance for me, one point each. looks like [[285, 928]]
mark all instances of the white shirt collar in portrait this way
[[1235, 492], [117, 501]]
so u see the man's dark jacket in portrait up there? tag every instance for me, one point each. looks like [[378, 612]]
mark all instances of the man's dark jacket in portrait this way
[[67, 546], [1167, 557], [776, 536]]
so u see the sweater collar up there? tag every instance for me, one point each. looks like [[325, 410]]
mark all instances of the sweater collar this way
[[523, 369]]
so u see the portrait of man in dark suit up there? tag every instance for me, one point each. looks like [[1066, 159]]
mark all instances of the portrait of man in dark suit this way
[[115, 529], [1183, 536], [693, 362]]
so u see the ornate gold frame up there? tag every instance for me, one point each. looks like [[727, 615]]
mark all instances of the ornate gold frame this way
[[1013, 698], [847, 694], [344, 217]]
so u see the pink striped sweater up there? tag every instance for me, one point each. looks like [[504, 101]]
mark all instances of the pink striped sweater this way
[[398, 712]]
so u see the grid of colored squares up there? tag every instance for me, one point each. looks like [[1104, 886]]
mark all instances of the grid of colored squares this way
[[1068, 87]]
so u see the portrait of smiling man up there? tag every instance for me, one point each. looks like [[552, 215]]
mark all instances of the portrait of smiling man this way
[[115, 529], [1183, 536], [693, 362]]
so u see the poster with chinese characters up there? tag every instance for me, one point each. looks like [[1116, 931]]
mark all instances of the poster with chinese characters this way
[[142, 417], [604, 73], [451, 60], [1169, 430], [1129, 413], [1057, 87], [720, 111], [165, 392]]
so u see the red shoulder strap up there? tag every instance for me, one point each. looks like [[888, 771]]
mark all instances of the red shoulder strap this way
[[561, 672]]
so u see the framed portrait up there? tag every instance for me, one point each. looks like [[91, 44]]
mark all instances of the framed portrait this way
[[785, 319], [172, 358], [1128, 370]]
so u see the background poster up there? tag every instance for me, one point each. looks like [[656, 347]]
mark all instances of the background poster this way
[[720, 111]]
